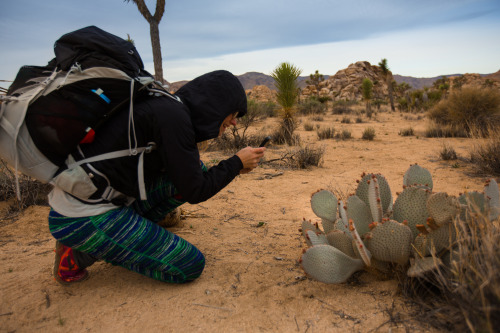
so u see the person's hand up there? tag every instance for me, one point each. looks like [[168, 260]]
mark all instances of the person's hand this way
[[250, 157]]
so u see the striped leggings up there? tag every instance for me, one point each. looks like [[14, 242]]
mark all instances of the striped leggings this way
[[129, 237]]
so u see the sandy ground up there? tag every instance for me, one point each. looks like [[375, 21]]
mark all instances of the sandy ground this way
[[249, 234]]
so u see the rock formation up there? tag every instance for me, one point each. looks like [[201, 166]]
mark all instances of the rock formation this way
[[346, 83]]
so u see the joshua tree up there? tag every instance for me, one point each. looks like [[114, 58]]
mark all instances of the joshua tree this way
[[315, 79], [285, 77], [154, 22], [367, 95], [386, 73]]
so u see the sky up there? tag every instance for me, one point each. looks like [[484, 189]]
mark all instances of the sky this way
[[419, 38]]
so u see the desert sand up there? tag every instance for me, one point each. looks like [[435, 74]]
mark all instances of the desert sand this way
[[249, 234]]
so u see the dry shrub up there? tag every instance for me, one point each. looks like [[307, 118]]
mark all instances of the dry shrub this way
[[368, 134], [467, 108], [32, 191], [311, 106], [486, 155], [306, 157], [308, 126], [343, 135], [448, 153], [346, 120], [285, 133], [466, 293], [435, 130], [326, 133], [407, 132]]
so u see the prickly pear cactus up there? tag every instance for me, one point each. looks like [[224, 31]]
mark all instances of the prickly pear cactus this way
[[370, 231]]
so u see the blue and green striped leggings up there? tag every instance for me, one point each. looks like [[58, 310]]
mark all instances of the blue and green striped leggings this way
[[129, 237]]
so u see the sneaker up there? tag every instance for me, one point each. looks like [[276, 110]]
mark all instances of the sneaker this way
[[65, 269]]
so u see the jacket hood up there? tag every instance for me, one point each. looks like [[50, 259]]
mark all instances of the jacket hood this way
[[210, 98]]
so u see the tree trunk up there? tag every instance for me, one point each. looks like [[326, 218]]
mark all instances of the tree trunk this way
[[154, 22], [391, 97], [155, 43]]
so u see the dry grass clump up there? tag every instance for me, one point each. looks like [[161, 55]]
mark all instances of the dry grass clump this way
[[308, 126], [343, 135], [486, 155], [308, 156], [32, 191], [435, 130], [407, 132], [368, 134], [468, 108], [448, 153], [465, 294], [325, 133]]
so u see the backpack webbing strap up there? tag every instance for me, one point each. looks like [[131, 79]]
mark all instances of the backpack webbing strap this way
[[123, 153]]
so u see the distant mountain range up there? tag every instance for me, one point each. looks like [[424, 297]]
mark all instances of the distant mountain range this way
[[252, 79]]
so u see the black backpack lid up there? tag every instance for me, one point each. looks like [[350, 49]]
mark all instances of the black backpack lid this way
[[77, 45]]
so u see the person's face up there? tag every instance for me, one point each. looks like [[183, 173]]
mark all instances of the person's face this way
[[230, 120]]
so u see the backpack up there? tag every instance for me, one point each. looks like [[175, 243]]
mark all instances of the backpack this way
[[49, 111]]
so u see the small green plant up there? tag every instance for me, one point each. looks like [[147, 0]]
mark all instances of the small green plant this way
[[326, 133], [368, 134]]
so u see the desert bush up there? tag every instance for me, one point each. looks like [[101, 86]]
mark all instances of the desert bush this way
[[466, 294], [341, 109], [343, 135], [368, 134], [359, 120], [311, 106], [262, 109], [468, 108], [326, 133], [346, 120], [407, 132], [32, 191], [282, 136], [308, 126], [306, 157], [403, 105], [435, 130], [486, 154], [317, 118], [448, 153]]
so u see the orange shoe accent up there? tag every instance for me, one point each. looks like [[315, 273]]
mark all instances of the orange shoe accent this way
[[66, 270]]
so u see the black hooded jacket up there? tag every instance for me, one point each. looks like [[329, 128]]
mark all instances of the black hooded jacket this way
[[175, 128]]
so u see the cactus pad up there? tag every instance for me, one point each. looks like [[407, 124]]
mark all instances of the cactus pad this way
[[493, 194], [324, 205], [416, 175], [384, 189], [436, 241], [358, 211], [390, 241], [341, 241], [411, 206], [328, 264], [442, 207]]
